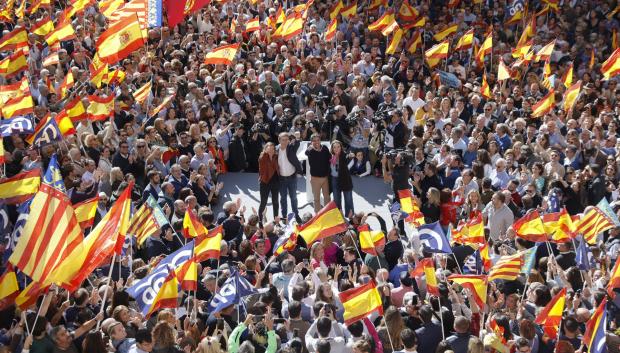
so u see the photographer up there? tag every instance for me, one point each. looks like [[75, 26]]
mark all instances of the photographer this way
[[360, 132], [398, 174], [335, 126]]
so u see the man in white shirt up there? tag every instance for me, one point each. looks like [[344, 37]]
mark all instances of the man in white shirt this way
[[322, 328], [288, 168], [413, 100]]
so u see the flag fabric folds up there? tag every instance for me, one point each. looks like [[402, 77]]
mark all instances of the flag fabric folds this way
[[408, 206], [234, 289], [46, 132], [614, 280], [288, 240], [47, 239], [436, 53], [167, 296], [187, 275], [466, 41], [551, 315], [451, 29], [100, 107], [19, 105], [192, 227], [477, 285], [594, 337], [330, 34], [385, 20], [75, 109], [13, 64], [85, 212], [370, 240], [597, 220], [142, 93], [106, 238], [208, 244], [8, 288], [433, 238], [570, 96], [560, 226], [119, 40], [507, 267], [143, 224], [20, 187], [223, 55], [17, 38], [611, 66], [530, 227], [360, 302], [327, 222]]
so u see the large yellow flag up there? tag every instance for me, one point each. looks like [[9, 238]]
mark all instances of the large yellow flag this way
[[436, 53], [120, 40]]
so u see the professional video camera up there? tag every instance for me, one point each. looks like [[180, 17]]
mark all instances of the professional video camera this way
[[407, 157], [261, 128]]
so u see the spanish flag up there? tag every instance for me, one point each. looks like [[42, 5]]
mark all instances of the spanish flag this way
[[530, 227], [389, 28], [223, 55], [8, 288], [567, 79], [208, 244], [503, 72], [100, 108], [436, 53], [120, 40], [360, 302], [370, 239], [474, 233], [466, 41], [528, 32], [98, 71], [19, 105], [253, 25], [407, 13], [560, 226], [192, 227], [42, 27], [162, 105], [142, 93], [292, 27], [13, 64], [85, 212], [485, 90], [508, 267], [477, 285], [544, 53], [102, 242], [17, 38], [187, 274], [66, 85], [408, 206], [551, 315], [485, 257], [2, 158], [415, 42], [14, 89], [168, 294], [64, 124], [349, 11], [280, 15], [335, 10], [382, 22], [36, 4], [484, 50], [521, 50], [288, 241], [544, 105], [426, 266], [116, 76], [591, 61], [331, 30], [611, 66], [107, 7], [375, 4], [75, 109], [421, 22], [571, 95], [395, 41], [614, 280], [327, 222], [446, 32], [51, 59], [20, 187], [63, 32]]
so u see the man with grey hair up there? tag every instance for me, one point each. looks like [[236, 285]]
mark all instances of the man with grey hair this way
[[281, 279]]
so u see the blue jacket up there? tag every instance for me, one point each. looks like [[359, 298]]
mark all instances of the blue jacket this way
[[459, 342], [429, 336]]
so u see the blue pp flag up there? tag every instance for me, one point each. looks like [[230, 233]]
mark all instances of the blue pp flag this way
[[473, 264], [583, 256], [18, 227], [449, 79], [145, 291], [396, 213], [433, 238], [18, 125], [235, 288], [154, 11]]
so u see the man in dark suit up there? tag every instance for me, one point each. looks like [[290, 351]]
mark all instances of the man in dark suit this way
[[288, 168], [596, 187], [429, 335], [237, 161]]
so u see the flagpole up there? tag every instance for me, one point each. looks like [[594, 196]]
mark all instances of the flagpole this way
[[457, 263], [443, 335], [105, 294], [34, 324], [586, 259]]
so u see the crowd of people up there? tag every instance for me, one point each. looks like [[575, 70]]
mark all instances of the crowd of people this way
[[358, 113]]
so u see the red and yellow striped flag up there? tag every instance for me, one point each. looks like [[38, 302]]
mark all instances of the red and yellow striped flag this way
[[591, 61], [223, 55], [14, 89], [13, 64], [192, 227], [614, 280], [102, 242], [187, 274], [327, 222], [50, 237], [162, 105], [503, 72], [466, 41], [530, 227], [75, 109], [571, 95], [407, 13], [42, 27], [335, 10], [142, 93], [253, 25], [8, 287], [208, 244], [477, 285], [560, 226], [100, 108], [544, 53], [330, 34], [168, 294], [37, 4], [567, 79], [51, 59], [17, 38], [507, 267], [415, 42], [20, 187], [411, 208], [435, 54], [450, 29], [485, 49], [107, 7], [66, 85], [426, 267], [119, 40], [19, 105], [85, 212], [611, 66], [375, 4], [551, 315], [63, 32], [349, 11], [395, 41], [544, 105], [142, 224], [385, 20], [485, 89], [360, 302], [370, 239]]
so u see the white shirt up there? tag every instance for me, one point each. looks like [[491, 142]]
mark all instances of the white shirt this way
[[413, 104], [284, 166]]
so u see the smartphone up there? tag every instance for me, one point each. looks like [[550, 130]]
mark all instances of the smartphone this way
[[345, 267]]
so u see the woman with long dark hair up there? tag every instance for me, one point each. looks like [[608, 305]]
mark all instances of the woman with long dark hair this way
[[268, 179], [341, 178]]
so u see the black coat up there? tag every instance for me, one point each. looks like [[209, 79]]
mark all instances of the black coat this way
[[237, 160], [596, 190], [345, 183]]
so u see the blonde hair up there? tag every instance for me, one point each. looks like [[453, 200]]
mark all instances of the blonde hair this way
[[209, 344]]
